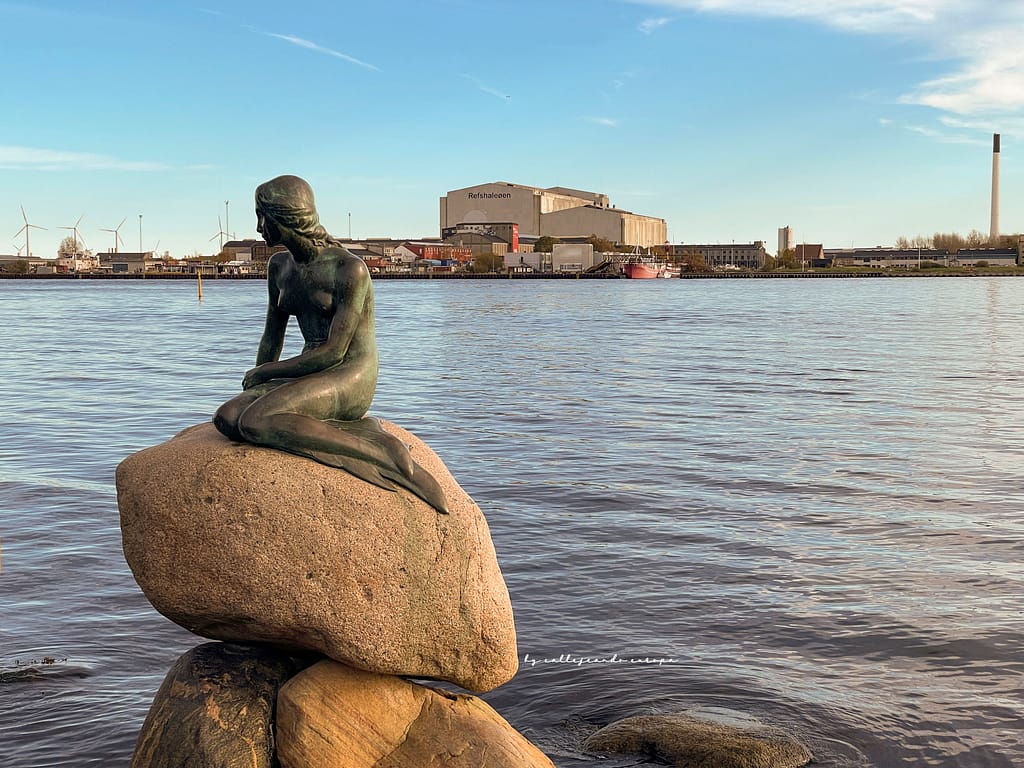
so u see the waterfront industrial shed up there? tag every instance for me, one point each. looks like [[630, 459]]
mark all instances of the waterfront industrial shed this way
[[882, 257], [909, 258], [553, 211], [250, 249], [415, 250], [994, 257], [480, 243], [718, 255]]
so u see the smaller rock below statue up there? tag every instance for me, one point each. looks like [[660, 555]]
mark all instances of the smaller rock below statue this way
[[331, 716], [216, 708]]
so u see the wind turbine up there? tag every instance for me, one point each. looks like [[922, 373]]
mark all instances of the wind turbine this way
[[74, 228], [221, 233], [26, 229], [117, 233]]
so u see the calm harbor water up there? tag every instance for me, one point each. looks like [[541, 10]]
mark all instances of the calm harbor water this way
[[800, 500]]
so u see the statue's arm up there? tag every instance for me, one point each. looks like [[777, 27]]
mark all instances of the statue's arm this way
[[273, 336], [352, 286], [272, 341]]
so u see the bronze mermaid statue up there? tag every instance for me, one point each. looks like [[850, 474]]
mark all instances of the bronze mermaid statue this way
[[315, 404]]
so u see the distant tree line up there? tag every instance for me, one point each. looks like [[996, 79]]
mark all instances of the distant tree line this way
[[546, 243], [16, 267], [488, 262], [785, 260], [601, 244], [69, 246], [951, 242], [692, 262]]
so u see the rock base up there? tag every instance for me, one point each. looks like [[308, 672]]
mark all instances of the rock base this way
[[247, 544], [216, 708], [331, 716]]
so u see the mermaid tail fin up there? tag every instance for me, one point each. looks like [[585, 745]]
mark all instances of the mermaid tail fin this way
[[421, 483], [364, 470]]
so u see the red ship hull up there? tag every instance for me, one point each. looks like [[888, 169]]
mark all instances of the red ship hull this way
[[649, 270]]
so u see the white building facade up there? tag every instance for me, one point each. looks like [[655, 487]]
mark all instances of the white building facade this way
[[555, 211], [785, 240]]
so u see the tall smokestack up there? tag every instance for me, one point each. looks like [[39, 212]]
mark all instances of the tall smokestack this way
[[993, 237]]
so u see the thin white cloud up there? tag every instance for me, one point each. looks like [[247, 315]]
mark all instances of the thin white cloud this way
[[486, 88], [311, 46], [854, 15], [990, 80], [32, 158], [980, 37], [884, 121], [945, 138], [1001, 124], [608, 122], [647, 26]]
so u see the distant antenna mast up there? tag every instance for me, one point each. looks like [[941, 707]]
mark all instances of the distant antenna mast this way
[[25, 229], [117, 233], [74, 228], [227, 221]]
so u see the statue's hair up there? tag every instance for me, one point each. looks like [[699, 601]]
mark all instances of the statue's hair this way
[[288, 200]]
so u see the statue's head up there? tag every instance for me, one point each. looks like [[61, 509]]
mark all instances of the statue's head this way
[[288, 202]]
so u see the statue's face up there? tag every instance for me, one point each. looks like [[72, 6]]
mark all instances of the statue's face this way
[[266, 227]]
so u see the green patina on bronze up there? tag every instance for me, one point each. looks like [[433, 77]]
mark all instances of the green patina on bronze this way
[[315, 404]]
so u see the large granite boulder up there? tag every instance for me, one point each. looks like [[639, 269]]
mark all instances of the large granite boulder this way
[[242, 543], [215, 709], [691, 741], [332, 716]]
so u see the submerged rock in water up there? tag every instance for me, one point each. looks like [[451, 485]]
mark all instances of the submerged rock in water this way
[[332, 716], [216, 708], [237, 542], [46, 668], [687, 741]]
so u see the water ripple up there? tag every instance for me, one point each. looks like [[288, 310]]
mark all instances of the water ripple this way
[[800, 493]]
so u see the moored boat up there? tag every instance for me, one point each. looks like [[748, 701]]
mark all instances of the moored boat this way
[[647, 268]]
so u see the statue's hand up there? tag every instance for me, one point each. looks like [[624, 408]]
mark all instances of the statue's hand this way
[[253, 378]]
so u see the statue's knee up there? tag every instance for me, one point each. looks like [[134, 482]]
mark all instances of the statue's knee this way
[[226, 421], [250, 425]]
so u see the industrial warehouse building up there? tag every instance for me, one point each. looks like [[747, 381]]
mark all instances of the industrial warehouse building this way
[[555, 211], [883, 258], [718, 255]]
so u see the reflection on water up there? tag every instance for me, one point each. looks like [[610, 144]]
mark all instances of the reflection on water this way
[[805, 493]]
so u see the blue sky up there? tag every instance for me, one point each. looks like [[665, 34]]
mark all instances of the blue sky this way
[[853, 121]]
